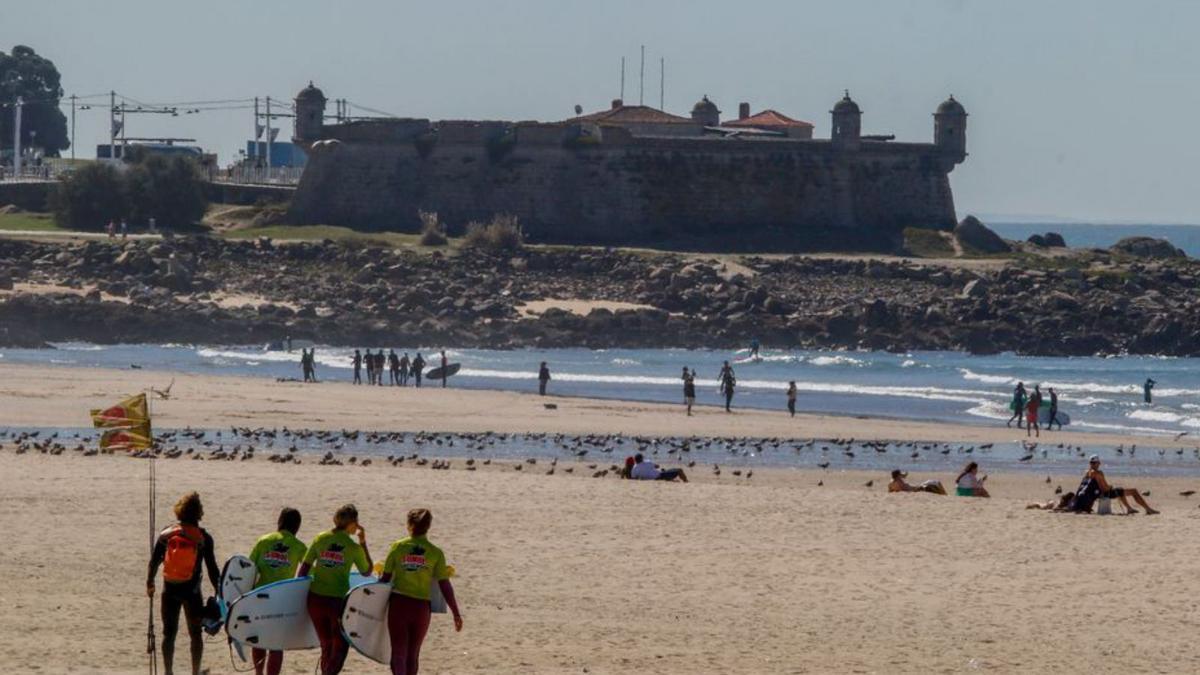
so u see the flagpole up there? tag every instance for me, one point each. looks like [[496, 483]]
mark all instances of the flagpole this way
[[150, 641]]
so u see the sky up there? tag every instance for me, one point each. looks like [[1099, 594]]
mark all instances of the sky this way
[[1079, 109]]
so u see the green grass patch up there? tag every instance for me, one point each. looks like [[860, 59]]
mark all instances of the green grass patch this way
[[31, 222], [924, 243], [334, 233]]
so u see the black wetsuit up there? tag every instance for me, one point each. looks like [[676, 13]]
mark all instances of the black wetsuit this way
[[543, 380], [357, 368], [183, 595]]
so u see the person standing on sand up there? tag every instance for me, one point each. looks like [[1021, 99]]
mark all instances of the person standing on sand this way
[[112, 229], [1017, 405], [276, 557], [330, 559], [1053, 410], [357, 367], [306, 365], [1031, 416], [445, 377], [543, 378], [185, 551], [1146, 388], [404, 370], [728, 382], [413, 565], [418, 367], [394, 366], [791, 398], [689, 390], [380, 367]]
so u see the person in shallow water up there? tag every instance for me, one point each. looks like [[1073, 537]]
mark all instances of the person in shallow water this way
[[791, 398], [330, 559], [754, 348], [404, 364], [276, 557], [184, 551], [1146, 389], [1017, 405]]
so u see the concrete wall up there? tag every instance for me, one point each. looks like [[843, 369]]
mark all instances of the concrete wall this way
[[628, 189]]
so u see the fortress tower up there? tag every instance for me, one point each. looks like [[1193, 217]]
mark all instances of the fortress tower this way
[[310, 116], [846, 119], [705, 112], [950, 130]]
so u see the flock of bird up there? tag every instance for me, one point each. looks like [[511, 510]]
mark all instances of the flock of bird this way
[[336, 448]]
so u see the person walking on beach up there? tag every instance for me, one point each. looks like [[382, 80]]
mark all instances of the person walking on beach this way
[[728, 382], [394, 366], [380, 366], [445, 376], [418, 365], [306, 365], [276, 556], [1017, 405], [1050, 422], [330, 559], [1146, 388], [357, 367], [791, 398], [689, 389], [543, 378], [185, 551], [413, 565], [404, 370], [1031, 416]]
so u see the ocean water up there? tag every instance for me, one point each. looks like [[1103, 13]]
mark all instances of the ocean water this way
[[1099, 394], [1093, 235]]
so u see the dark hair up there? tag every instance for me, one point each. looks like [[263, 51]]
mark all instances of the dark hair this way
[[639, 458], [419, 521], [971, 466], [289, 519], [189, 509], [895, 474], [344, 516]]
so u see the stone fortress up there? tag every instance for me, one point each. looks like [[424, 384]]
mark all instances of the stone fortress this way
[[634, 174]]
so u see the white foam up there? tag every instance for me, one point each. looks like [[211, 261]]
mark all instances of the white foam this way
[[908, 363], [626, 362], [985, 378], [1124, 428], [835, 361], [1156, 416]]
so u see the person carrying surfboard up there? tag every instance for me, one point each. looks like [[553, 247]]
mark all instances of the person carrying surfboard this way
[[329, 560], [413, 565], [1053, 410], [445, 375], [181, 550], [276, 557], [1017, 405]]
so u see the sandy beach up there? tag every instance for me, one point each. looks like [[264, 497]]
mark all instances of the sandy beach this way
[[793, 571]]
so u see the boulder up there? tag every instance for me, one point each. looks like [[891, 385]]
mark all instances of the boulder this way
[[1055, 240], [1147, 247], [974, 234], [976, 288], [1037, 240]]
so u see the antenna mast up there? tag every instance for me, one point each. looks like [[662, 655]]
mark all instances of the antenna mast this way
[[622, 79], [642, 79], [662, 83]]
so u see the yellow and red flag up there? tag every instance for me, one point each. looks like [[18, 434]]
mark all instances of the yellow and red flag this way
[[127, 425]]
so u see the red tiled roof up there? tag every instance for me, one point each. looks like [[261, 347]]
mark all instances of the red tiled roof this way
[[768, 118], [632, 114]]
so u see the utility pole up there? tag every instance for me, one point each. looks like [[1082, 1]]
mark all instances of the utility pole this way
[[642, 79], [268, 132], [622, 80], [73, 97], [662, 82], [254, 145], [17, 137], [112, 125]]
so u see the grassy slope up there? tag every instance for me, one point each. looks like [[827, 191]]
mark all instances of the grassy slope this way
[[34, 222]]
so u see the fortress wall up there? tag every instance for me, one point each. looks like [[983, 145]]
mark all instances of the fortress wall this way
[[628, 189]]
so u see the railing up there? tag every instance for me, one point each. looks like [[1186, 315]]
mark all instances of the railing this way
[[30, 174], [282, 176]]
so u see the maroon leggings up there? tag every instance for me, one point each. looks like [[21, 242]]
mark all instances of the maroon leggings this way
[[271, 661], [408, 621], [326, 615]]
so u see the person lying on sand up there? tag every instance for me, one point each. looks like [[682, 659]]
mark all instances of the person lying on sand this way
[[969, 483], [1111, 492], [1061, 503], [644, 470], [898, 484]]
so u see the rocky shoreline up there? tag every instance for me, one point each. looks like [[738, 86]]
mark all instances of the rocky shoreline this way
[[180, 290]]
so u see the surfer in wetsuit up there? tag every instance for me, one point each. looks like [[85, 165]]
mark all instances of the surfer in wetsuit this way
[[791, 398], [357, 367], [413, 565], [418, 365], [394, 366], [543, 378], [1146, 388], [728, 382], [1017, 405], [445, 375], [404, 370], [1053, 419], [276, 557], [689, 389], [330, 559], [754, 346], [183, 549]]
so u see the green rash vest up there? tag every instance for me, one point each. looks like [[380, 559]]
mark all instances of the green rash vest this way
[[276, 557], [415, 564], [332, 555]]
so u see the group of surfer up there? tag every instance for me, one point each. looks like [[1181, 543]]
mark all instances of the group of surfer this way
[[399, 368], [1027, 407], [412, 566], [1094, 486]]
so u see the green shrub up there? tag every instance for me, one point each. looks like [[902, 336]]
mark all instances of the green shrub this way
[[433, 233], [502, 234], [91, 197], [168, 189], [926, 243]]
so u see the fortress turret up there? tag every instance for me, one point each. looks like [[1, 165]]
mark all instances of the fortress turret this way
[[950, 130], [310, 115], [846, 123], [705, 112]]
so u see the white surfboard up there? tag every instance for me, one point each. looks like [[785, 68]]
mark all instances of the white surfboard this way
[[237, 579], [1044, 416], [364, 621], [275, 617]]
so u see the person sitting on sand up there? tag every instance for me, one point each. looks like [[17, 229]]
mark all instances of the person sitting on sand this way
[[898, 484], [644, 470], [1109, 492], [276, 557], [627, 470], [969, 483]]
